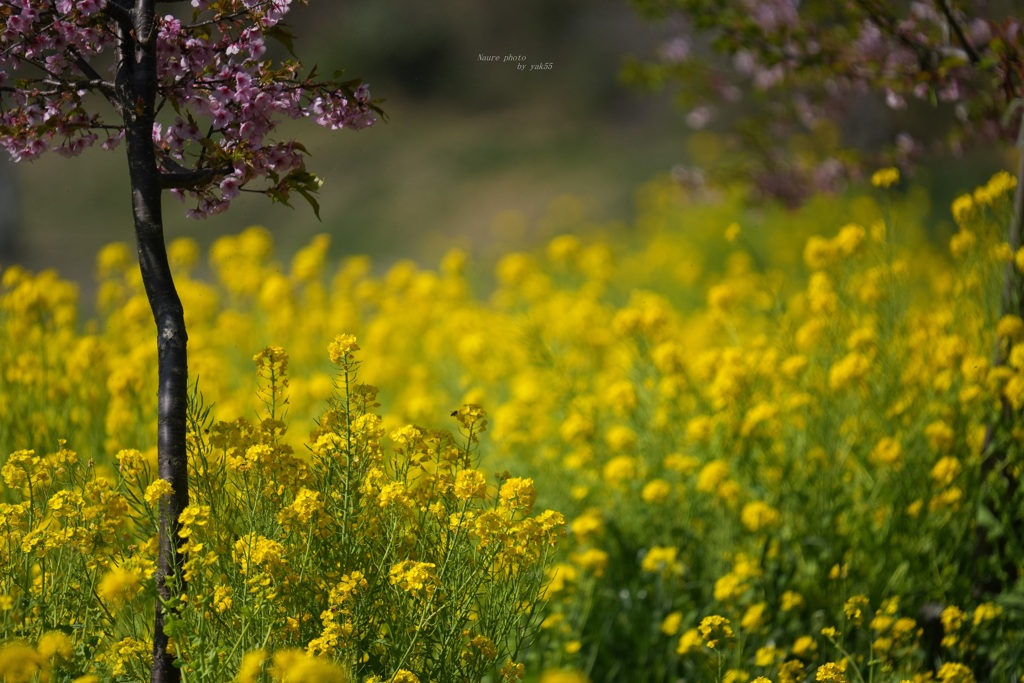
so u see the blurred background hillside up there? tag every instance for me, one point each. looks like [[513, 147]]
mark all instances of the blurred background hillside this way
[[473, 153], [476, 154]]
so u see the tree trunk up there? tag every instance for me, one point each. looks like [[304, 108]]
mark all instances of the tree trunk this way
[[136, 81]]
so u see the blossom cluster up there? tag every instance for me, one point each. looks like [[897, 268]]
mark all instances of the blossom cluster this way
[[803, 62], [222, 92]]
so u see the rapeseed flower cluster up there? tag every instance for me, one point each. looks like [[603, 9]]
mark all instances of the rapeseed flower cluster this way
[[360, 561], [780, 420]]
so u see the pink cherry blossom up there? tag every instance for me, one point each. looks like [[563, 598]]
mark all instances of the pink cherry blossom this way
[[222, 97]]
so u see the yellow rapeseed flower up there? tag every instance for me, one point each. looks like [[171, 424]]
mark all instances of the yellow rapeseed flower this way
[[804, 646], [518, 495], [513, 671], [792, 671], [855, 609], [940, 435], [849, 369], [699, 428], [19, 663], [118, 585], [955, 672], [794, 365], [711, 475], [157, 490], [415, 578], [670, 624], [342, 349], [690, 641], [722, 296], [130, 463], [1010, 327], [768, 656], [308, 262], [887, 451], [588, 524], [677, 462], [757, 515], [714, 629], [661, 560], [564, 248], [831, 672], [850, 239], [593, 560], [114, 259], [183, 254], [986, 611], [961, 243], [620, 438], [953, 619], [790, 601], [560, 576], [946, 470], [55, 644], [819, 253], [620, 470], [1000, 184], [963, 207], [470, 484], [736, 676], [758, 417], [295, 666], [656, 491], [885, 177], [753, 618]]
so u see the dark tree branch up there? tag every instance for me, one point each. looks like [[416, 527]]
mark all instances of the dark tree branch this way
[[959, 31], [178, 177], [106, 88], [101, 84], [120, 11], [879, 16]]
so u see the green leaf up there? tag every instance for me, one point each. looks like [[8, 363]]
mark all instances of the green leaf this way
[[278, 195], [988, 521], [308, 196]]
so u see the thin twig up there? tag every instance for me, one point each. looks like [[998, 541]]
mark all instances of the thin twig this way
[[959, 31]]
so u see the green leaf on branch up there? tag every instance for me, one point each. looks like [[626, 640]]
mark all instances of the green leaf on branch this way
[[313, 203], [306, 184]]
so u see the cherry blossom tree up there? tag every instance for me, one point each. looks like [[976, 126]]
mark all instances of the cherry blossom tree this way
[[792, 66], [769, 70], [196, 99]]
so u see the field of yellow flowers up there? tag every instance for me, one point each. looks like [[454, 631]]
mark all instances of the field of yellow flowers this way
[[720, 444]]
